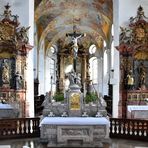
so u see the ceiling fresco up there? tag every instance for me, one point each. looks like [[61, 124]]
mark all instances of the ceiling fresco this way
[[55, 18]]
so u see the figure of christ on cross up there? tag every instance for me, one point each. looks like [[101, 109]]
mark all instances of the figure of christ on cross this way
[[75, 36]]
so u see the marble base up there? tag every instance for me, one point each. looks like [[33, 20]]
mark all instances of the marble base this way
[[74, 131]]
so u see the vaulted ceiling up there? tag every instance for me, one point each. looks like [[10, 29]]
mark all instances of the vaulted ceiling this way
[[55, 18]]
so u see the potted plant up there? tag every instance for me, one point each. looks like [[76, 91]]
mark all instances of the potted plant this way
[[90, 97], [59, 97]]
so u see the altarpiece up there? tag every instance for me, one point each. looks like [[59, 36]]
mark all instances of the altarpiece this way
[[14, 47], [133, 50]]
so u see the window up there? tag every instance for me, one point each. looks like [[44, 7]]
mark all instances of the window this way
[[94, 70], [52, 69]]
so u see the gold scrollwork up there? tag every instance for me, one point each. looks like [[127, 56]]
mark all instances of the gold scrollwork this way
[[6, 31]]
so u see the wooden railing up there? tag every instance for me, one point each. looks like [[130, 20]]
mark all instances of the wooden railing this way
[[29, 128], [129, 128], [19, 128]]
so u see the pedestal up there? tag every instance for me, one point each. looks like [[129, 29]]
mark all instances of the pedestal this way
[[75, 101]]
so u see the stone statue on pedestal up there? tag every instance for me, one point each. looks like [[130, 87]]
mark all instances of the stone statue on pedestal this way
[[5, 72]]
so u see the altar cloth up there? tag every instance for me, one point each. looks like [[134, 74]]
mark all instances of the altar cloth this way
[[137, 107], [5, 106], [75, 121], [137, 111]]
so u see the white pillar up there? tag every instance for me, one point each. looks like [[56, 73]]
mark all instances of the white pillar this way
[[30, 61], [41, 68], [116, 58]]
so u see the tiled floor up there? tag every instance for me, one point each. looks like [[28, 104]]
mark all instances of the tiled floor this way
[[35, 143]]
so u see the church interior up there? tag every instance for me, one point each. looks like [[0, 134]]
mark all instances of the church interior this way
[[73, 73]]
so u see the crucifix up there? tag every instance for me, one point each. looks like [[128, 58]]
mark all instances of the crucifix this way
[[75, 36]]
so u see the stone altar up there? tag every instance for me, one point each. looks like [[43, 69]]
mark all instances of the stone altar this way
[[74, 123], [74, 131]]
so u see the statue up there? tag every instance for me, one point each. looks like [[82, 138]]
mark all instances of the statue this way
[[75, 44], [22, 34], [142, 74], [130, 80], [18, 80], [75, 36], [78, 79], [5, 72], [72, 77]]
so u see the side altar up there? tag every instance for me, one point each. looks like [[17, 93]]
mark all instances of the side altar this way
[[134, 64], [14, 48], [73, 123]]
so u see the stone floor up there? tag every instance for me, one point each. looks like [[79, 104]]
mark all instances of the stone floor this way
[[35, 143]]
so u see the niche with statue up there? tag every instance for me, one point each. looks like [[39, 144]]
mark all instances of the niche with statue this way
[[14, 47], [134, 62]]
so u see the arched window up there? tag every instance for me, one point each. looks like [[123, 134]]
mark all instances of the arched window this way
[[50, 71], [94, 70], [92, 49]]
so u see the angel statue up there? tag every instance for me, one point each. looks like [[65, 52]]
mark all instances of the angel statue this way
[[22, 34]]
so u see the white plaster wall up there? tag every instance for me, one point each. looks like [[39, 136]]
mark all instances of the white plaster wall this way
[[128, 8], [25, 11], [35, 53]]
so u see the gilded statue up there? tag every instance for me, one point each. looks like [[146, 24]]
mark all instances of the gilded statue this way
[[130, 80]]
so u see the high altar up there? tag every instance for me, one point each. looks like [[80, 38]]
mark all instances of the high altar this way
[[14, 47], [72, 123], [134, 66]]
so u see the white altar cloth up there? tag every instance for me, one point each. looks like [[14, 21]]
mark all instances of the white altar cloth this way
[[136, 107], [137, 111], [5, 106], [75, 121]]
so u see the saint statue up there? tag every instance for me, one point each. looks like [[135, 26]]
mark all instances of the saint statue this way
[[18, 80], [142, 74], [130, 80], [5, 72]]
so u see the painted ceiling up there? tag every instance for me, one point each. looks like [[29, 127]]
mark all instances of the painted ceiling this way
[[55, 18]]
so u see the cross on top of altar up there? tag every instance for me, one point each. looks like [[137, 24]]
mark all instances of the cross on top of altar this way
[[74, 37]]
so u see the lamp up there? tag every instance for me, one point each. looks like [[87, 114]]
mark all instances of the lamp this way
[[113, 80], [112, 73]]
